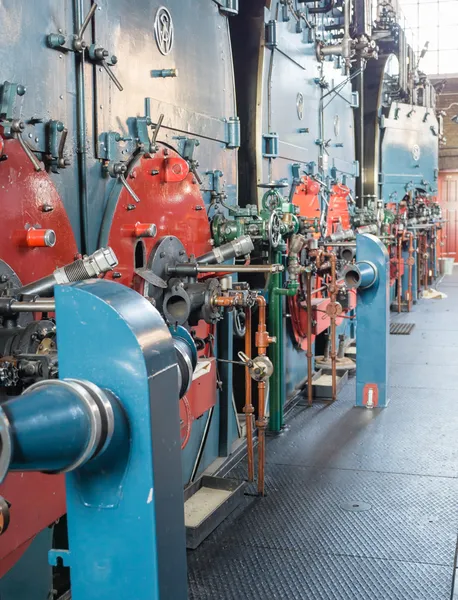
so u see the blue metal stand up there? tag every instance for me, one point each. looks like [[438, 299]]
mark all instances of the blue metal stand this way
[[370, 276], [112, 423]]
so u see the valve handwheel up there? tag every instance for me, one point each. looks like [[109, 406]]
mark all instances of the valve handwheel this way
[[274, 229]]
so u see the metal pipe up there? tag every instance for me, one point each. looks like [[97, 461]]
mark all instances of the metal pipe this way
[[400, 239], [262, 340], [78, 7], [241, 269], [333, 296], [248, 409], [37, 306], [309, 337], [410, 269]]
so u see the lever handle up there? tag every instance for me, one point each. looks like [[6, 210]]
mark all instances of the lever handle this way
[[112, 76], [87, 20], [30, 155], [123, 181]]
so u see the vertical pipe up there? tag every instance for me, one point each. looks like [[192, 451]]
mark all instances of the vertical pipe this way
[[261, 424], [399, 272], [409, 284], [248, 408], [275, 324], [333, 328], [78, 7], [309, 336]]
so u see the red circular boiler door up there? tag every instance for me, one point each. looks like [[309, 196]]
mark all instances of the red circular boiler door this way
[[170, 199], [29, 199]]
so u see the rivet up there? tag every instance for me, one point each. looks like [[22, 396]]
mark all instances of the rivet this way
[[60, 55], [60, 30], [61, 97], [30, 136], [101, 106]]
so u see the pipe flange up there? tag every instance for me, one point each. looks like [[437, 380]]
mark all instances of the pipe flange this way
[[211, 313], [105, 404]]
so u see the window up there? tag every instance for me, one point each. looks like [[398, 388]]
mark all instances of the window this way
[[436, 22]]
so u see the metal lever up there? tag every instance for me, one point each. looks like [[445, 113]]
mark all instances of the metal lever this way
[[87, 20], [112, 76], [17, 127], [122, 179], [118, 170], [61, 161], [156, 129]]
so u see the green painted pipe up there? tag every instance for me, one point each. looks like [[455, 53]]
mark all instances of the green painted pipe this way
[[275, 328]]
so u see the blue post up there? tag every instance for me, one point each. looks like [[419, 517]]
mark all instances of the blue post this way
[[370, 276], [112, 423]]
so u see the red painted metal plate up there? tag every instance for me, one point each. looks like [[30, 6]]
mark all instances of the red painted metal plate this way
[[30, 198], [175, 207], [170, 197], [338, 214]]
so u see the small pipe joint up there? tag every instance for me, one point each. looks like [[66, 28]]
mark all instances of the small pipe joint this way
[[361, 275], [57, 426], [241, 246], [40, 238]]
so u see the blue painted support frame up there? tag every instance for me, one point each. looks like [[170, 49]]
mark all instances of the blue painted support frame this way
[[125, 517], [372, 329]]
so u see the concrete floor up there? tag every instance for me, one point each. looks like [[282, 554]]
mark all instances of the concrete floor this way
[[361, 504]]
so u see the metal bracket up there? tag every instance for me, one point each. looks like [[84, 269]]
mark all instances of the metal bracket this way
[[55, 146], [233, 132], [228, 7], [354, 100], [270, 145], [108, 144], [8, 93]]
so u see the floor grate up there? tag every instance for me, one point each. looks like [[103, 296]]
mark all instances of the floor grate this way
[[401, 328]]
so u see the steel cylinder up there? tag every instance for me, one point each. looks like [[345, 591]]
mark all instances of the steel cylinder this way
[[55, 426], [361, 275]]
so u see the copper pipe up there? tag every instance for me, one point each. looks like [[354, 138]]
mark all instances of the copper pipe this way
[[262, 341], [309, 337], [411, 260], [400, 240], [248, 409], [261, 424], [333, 296], [227, 301]]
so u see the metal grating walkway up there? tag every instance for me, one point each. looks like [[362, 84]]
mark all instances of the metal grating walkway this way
[[399, 328], [361, 505]]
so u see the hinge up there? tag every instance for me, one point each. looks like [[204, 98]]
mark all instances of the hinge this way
[[270, 145], [233, 132], [354, 100], [356, 168], [381, 178], [228, 7], [382, 122]]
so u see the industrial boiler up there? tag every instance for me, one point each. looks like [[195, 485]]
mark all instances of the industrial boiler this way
[[185, 188]]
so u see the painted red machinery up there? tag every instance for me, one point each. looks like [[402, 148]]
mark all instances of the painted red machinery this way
[[36, 238]]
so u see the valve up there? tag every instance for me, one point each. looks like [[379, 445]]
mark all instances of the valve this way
[[260, 367]]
